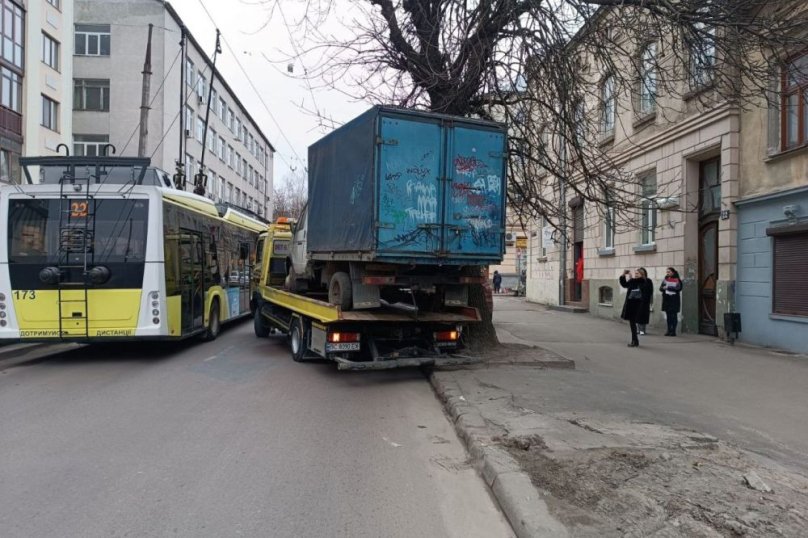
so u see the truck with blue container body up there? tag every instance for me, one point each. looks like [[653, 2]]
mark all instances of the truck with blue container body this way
[[404, 209]]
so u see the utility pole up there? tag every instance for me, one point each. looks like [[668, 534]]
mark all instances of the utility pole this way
[[144, 99], [201, 179], [179, 175]]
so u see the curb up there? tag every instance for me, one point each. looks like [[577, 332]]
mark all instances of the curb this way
[[517, 497], [34, 350]]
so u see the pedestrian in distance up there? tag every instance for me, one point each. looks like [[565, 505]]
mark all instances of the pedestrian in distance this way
[[671, 289], [637, 308], [497, 281]]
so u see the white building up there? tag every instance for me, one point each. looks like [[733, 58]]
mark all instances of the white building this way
[[110, 49], [37, 73]]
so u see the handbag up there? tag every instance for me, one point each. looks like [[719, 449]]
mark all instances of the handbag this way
[[635, 294]]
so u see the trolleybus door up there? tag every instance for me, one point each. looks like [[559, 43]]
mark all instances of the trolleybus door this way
[[192, 280]]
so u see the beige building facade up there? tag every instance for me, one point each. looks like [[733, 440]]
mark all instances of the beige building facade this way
[[682, 155]]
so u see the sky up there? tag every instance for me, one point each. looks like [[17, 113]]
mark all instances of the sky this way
[[251, 34]]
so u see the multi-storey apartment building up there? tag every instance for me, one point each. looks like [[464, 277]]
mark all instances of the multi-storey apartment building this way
[[110, 47], [772, 253], [681, 150], [36, 71]]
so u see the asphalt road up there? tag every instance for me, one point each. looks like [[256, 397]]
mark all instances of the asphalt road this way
[[228, 438]]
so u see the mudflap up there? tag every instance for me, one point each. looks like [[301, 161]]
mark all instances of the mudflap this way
[[405, 362]]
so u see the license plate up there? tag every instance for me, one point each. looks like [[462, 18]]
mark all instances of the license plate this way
[[348, 346]]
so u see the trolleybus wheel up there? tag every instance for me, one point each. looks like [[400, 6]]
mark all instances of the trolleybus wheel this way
[[260, 324], [340, 290], [297, 340], [214, 323]]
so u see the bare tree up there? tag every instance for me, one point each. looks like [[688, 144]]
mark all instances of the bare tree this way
[[289, 196], [545, 68]]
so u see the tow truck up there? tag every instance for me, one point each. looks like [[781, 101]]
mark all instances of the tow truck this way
[[391, 336]]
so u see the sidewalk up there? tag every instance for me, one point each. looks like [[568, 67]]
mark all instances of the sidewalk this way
[[679, 437]]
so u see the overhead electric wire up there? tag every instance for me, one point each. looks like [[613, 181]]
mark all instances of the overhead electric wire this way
[[252, 85]]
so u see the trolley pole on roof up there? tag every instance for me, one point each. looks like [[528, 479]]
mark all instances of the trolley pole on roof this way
[[144, 99], [201, 179], [179, 176]]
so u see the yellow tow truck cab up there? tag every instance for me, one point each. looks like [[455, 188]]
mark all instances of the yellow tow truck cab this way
[[388, 337]]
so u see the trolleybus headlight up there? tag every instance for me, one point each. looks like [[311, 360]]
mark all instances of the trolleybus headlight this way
[[155, 304], [2, 323], [99, 274], [155, 312], [156, 321], [2, 314], [2, 306], [50, 275], [155, 295], [2, 297]]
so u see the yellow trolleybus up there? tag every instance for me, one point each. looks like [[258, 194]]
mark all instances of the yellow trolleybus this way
[[103, 248]]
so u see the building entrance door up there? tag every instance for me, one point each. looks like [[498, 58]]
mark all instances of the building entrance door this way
[[709, 211]]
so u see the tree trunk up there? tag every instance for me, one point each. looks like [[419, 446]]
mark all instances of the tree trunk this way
[[483, 335]]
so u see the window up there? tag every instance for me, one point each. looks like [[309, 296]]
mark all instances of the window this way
[[189, 120], [220, 148], [648, 80], [201, 87], [794, 112], [214, 99], [200, 129], [189, 167], [212, 136], [50, 51], [250, 175], [789, 293], [89, 145], [222, 112], [702, 56], [229, 192], [244, 167], [238, 164], [190, 73], [605, 295], [648, 208], [238, 128], [211, 190], [50, 113], [543, 238], [580, 123], [92, 40], [609, 224], [222, 190], [5, 166], [237, 201], [608, 104], [230, 156], [12, 30], [11, 90], [89, 94], [231, 118]]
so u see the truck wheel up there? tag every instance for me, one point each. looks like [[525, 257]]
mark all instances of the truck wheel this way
[[260, 324], [340, 291], [297, 340], [214, 323]]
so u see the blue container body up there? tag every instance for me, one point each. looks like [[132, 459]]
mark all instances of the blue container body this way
[[401, 186]]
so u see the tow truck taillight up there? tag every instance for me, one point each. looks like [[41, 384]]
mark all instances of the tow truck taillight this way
[[378, 280], [447, 336], [341, 338]]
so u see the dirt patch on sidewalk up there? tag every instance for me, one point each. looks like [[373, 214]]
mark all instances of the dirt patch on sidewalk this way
[[678, 489]]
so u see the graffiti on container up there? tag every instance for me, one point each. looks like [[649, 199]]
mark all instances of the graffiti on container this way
[[392, 176], [467, 166], [417, 236], [421, 189], [421, 172], [356, 190]]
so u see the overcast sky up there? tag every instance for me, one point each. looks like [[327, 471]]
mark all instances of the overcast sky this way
[[241, 25]]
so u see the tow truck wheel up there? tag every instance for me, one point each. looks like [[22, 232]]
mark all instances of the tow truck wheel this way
[[214, 323], [297, 340], [260, 324], [340, 291]]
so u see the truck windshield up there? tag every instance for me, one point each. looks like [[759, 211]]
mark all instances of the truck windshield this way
[[106, 230]]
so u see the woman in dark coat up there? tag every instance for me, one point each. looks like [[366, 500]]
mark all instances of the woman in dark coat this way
[[637, 308], [671, 289]]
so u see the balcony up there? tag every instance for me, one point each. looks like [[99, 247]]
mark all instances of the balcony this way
[[10, 121]]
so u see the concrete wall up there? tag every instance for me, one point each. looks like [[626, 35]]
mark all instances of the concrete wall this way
[[754, 287]]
